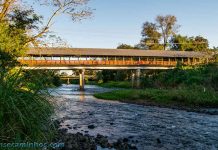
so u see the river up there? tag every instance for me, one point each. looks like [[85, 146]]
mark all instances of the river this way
[[148, 127]]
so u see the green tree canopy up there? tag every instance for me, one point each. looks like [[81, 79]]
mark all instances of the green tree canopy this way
[[12, 40], [126, 46], [150, 36], [184, 43]]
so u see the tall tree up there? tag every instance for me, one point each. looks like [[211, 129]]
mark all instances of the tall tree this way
[[151, 36], [168, 27]]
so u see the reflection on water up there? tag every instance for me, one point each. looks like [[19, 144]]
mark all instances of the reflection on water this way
[[143, 125]]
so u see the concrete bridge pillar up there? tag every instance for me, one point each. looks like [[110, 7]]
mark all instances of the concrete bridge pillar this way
[[82, 80], [133, 80], [136, 79], [138, 75], [68, 81]]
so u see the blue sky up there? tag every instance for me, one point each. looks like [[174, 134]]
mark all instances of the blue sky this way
[[120, 21]]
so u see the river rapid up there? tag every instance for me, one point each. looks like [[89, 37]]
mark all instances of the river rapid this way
[[147, 127]]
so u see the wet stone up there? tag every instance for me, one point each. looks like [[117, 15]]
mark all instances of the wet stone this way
[[130, 137], [79, 141], [158, 141], [91, 126], [62, 130]]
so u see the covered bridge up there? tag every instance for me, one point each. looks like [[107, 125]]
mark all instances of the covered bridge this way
[[110, 57]]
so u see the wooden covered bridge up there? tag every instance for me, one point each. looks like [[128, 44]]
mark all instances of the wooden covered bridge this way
[[99, 59]]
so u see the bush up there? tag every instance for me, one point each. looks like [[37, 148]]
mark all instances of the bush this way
[[202, 76], [24, 110]]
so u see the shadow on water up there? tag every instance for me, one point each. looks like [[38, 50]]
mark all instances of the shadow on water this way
[[146, 126]]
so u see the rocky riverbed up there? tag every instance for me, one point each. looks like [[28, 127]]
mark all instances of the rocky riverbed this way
[[80, 141], [84, 120]]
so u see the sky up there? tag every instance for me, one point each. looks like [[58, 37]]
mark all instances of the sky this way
[[120, 21]]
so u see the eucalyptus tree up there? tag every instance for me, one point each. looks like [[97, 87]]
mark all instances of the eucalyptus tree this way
[[168, 27], [160, 31]]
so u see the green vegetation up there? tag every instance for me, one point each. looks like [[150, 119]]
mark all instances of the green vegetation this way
[[48, 78], [188, 87], [24, 110], [203, 76], [183, 96], [197, 43], [114, 84]]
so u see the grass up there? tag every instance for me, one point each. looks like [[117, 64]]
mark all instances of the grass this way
[[189, 87], [24, 110], [114, 84], [183, 96]]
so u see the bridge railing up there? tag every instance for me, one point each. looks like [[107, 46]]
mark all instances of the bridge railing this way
[[102, 63]]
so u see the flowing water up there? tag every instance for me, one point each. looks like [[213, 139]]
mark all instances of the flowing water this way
[[148, 127]]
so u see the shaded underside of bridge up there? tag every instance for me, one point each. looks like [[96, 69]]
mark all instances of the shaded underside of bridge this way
[[90, 58]]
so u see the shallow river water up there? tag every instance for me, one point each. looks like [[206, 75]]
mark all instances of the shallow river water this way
[[148, 127]]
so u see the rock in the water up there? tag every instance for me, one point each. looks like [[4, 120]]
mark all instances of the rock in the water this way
[[79, 141], [130, 137], [62, 130], [158, 141], [91, 126], [102, 141], [125, 140]]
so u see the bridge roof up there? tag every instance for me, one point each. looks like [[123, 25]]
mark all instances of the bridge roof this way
[[112, 52]]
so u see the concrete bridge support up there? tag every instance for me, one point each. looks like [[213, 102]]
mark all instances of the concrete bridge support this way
[[82, 80], [68, 81], [133, 80], [138, 79]]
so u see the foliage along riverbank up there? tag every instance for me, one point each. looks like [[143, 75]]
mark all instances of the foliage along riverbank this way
[[25, 111], [181, 88]]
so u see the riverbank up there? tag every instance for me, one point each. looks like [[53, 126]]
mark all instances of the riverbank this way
[[196, 100], [113, 84]]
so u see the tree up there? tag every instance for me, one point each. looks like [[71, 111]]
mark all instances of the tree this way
[[181, 43], [200, 43], [12, 40], [184, 43], [168, 27], [126, 46], [150, 36], [76, 9]]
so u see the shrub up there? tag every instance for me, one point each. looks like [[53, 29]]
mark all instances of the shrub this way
[[24, 110]]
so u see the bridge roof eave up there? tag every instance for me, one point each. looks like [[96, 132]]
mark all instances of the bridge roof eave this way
[[66, 52]]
